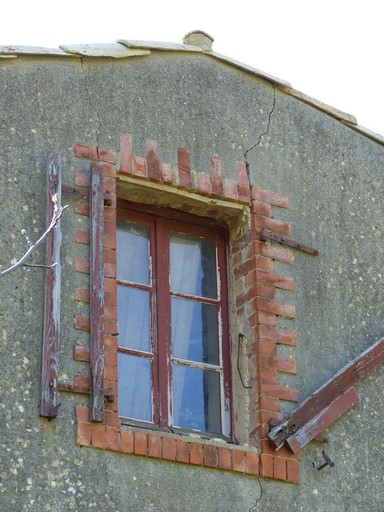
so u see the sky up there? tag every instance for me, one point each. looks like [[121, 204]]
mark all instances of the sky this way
[[331, 50]]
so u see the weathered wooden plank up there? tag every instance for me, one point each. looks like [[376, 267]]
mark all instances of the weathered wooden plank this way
[[96, 293], [51, 329], [320, 422], [332, 389]]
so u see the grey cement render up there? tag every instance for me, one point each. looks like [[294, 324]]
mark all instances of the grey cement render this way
[[334, 179]]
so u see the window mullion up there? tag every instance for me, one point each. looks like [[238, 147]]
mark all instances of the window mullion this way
[[164, 322]]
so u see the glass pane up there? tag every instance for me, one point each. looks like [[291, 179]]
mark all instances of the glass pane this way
[[133, 318], [193, 265], [194, 331], [132, 252], [196, 399], [135, 397]]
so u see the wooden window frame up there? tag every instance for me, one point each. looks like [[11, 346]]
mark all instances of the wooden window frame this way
[[161, 221]]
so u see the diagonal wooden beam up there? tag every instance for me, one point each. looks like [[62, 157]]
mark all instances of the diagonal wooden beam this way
[[336, 395]]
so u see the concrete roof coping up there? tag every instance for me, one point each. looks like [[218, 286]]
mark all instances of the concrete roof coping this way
[[196, 41]]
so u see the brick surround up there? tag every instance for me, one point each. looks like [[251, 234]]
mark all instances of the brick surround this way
[[255, 284]]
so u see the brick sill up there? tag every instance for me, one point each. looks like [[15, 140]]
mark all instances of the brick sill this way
[[214, 454]]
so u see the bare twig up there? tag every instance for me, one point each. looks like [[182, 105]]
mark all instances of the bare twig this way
[[57, 213]]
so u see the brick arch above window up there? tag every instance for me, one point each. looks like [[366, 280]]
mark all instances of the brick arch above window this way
[[255, 337]]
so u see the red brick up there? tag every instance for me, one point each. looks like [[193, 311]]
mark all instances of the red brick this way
[[278, 281], [239, 461], [267, 416], [184, 168], [109, 255], [110, 299], [110, 313], [109, 228], [82, 413], [261, 208], [293, 471], [81, 353], [110, 384], [110, 372], [83, 151], [252, 459], [94, 153], [276, 226], [126, 153], [82, 265], [112, 439], [111, 418], [82, 322], [269, 403], [182, 451], [210, 456], [196, 453], [225, 458], [82, 179], [243, 180], [110, 270], [82, 236], [82, 294], [277, 335], [110, 240], [282, 392], [263, 318], [272, 198], [263, 263], [110, 327], [109, 186], [81, 381], [267, 347], [154, 445], [110, 213], [277, 253], [83, 434], [110, 343], [231, 189], [166, 173], [282, 365], [126, 441], [280, 468], [153, 160], [82, 208], [109, 169], [266, 465], [266, 447], [275, 307], [169, 448], [216, 176], [110, 285], [98, 436], [268, 376], [140, 443], [140, 166], [110, 357], [203, 183]]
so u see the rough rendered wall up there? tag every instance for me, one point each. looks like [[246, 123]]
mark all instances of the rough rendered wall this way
[[333, 177]]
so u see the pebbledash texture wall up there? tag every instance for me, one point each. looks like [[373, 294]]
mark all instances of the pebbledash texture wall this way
[[298, 185]]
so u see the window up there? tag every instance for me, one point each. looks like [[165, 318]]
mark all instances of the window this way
[[173, 346]]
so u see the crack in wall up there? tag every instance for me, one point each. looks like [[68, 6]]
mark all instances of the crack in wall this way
[[253, 508], [261, 135], [91, 103]]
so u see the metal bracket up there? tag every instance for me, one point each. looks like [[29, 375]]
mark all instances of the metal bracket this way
[[71, 388], [267, 235]]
